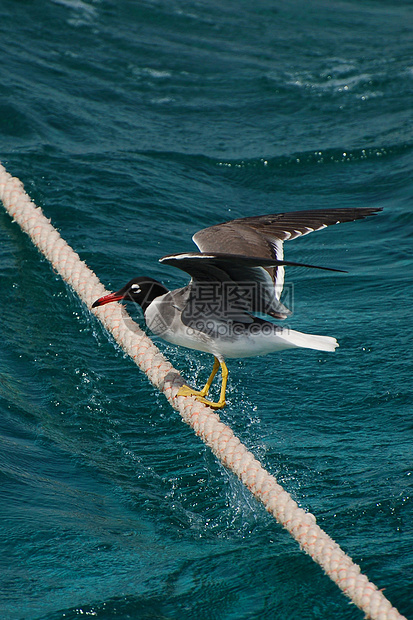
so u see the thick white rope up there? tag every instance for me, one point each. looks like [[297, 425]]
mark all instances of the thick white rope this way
[[204, 421]]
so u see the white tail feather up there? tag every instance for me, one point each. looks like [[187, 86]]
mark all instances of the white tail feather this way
[[310, 341]]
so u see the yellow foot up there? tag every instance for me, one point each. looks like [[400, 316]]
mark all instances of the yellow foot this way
[[210, 403], [185, 390]]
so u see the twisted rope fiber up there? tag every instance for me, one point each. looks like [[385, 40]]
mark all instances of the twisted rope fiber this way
[[204, 421]]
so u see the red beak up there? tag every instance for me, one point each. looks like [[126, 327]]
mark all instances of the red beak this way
[[107, 299]]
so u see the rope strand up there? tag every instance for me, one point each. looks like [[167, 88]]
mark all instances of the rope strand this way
[[206, 423]]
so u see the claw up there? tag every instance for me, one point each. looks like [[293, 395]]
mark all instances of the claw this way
[[185, 390], [219, 405]]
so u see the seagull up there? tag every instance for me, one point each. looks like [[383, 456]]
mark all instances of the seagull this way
[[237, 275]]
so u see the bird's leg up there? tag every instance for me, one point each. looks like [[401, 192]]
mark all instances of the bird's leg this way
[[185, 390], [221, 401], [224, 373], [211, 377]]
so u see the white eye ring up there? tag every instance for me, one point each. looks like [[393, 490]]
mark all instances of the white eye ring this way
[[136, 288]]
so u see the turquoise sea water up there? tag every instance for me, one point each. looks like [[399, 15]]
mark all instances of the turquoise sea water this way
[[133, 125]]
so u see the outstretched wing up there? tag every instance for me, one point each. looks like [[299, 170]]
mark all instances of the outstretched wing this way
[[240, 284], [263, 235]]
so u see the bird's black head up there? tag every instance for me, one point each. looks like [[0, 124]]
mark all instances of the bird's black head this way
[[140, 290]]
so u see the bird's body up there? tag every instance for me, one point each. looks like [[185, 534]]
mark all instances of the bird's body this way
[[225, 339], [237, 275]]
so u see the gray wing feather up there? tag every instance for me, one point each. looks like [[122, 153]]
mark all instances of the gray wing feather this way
[[263, 235]]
